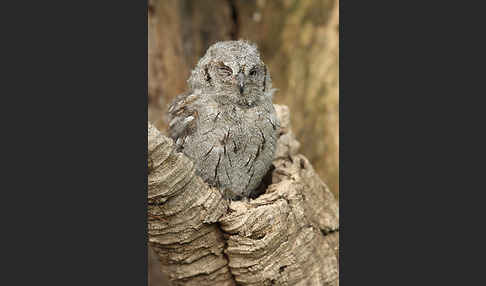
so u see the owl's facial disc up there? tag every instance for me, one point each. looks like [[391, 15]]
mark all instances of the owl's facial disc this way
[[232, 75], [224, 70]]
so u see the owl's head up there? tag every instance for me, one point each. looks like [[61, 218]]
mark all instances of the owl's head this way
[[234, 73]]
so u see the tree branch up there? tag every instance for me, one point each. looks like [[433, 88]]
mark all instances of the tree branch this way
[[286, 236]]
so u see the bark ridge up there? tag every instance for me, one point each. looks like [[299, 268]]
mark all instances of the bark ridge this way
[[286, 236]]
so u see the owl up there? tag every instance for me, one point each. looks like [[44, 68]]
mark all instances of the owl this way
[[226, 123]]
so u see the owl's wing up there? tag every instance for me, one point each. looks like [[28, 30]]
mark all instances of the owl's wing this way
[[183, 117]]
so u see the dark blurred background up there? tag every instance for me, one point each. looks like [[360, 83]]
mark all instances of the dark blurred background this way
[[299, 42]]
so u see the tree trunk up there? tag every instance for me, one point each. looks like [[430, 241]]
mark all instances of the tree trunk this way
[[299, 43], [286, 236]]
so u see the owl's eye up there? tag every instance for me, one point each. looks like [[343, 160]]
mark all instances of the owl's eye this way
[[253, 72], [225, 70]]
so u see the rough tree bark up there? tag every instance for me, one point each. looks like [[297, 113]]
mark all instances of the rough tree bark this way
[[286, 236]]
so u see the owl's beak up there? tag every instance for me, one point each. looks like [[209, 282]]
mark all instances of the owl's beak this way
[[241, 81]]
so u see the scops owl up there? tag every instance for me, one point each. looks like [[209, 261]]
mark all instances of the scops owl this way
[[226, 123]]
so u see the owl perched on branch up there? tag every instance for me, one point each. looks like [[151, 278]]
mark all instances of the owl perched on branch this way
[[226, 123]]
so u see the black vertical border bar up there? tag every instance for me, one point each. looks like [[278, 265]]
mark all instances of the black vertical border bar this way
[[145, 148], [75, 196]]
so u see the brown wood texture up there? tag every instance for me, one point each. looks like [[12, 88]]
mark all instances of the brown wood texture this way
[[286, 236], [298, 41]]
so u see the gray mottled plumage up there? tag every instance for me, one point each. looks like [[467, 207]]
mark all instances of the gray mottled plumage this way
[[226, 122]]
